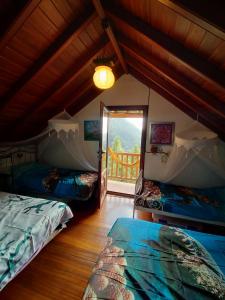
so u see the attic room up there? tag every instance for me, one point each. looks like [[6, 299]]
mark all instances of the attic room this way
[[112, 153]]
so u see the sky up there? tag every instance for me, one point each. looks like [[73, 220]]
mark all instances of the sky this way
[[137, 122]]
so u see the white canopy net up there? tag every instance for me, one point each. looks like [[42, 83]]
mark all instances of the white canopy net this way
[[63, 147], [59, 144], [197, 159]]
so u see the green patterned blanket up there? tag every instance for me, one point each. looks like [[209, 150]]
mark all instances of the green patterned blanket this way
[[26, 224]]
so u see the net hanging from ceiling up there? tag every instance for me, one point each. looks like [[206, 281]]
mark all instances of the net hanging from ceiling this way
[[59, 144], [196, 160], [64, 147]]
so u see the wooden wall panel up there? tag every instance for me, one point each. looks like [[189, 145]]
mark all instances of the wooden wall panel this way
[[66, 11], [15, 57], [9, 9], [194, 37], [189, 73], [31, 93], [39, 22], [53, 14], [218, 55], [164, 18]]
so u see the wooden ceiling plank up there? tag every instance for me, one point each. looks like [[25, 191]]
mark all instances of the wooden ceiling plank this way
[[19, 21], [204, 68], [78, 93], [53, 51], [174, 101], [82, 96], [212, 103], [209, 120], [195, 18], [75, 70], [110, 33]]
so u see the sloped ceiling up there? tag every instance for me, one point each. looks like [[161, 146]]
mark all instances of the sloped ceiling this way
[[47, 49]]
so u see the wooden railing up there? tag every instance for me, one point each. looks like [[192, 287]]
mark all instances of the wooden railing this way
[[123, 166]]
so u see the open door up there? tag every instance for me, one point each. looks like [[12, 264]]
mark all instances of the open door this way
[[103, 145]]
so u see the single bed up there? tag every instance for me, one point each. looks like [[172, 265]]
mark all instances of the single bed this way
[[43, 180], [25, 175], [144, 260], [26, 225], [200, 205]]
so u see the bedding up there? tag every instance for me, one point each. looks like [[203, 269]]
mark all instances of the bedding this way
[[26, 224], [144, 260], [203, 204], [38, 179]]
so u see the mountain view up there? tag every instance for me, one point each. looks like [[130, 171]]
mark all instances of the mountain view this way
[[124, 136]]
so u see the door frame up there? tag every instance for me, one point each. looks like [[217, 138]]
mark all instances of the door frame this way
[[102, 179], [143, 108]]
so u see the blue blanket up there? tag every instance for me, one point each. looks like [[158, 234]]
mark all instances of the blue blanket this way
[[52, 183], [204, 204], [144, 260]]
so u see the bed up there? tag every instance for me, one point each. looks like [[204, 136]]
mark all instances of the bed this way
[[144, 260], [39, 179], [26, 225], [27, 176], [200, 205]]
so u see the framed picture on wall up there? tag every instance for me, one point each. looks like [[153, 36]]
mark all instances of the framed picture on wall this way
[[162, 133], [91, 130]]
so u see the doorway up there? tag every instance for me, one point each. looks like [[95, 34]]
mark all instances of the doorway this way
[[124, 154]]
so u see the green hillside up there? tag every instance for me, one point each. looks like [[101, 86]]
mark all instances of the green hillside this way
[[129, 134]]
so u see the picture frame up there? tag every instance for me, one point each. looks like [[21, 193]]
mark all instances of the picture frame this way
[[162, 133], [91, 130]]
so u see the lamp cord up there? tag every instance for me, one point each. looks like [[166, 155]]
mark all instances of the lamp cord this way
[[149, 96]]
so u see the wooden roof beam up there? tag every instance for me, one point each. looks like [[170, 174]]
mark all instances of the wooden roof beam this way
[[213, 122], [52, 52], [164, 93], [204, 98], [76, 69], [194, 17], [82, 96], [19, 21], [194, 61], [43, 119], [108, 29]]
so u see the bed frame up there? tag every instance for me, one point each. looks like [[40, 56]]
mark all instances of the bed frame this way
[[14, 156], [172, 218]]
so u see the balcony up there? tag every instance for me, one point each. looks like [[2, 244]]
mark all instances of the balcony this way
[[123, 170]]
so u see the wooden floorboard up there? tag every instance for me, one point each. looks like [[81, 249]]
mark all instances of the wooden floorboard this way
[[61, 270]]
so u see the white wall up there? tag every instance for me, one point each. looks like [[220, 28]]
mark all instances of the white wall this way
[[129, 91]]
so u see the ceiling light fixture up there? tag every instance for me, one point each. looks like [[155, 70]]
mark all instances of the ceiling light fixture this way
[[103, 77]]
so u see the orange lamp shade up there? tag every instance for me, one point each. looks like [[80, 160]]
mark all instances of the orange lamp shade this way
[[103, 77]]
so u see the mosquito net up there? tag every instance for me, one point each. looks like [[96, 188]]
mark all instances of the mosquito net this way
[[197, 159], [63, 146], [60, 144]]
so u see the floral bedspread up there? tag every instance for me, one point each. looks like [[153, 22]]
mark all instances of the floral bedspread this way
[[205, 204], [54, 183], [26, 224], [143, 260]]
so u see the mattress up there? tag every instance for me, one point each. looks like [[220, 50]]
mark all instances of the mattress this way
[[38, 179], [201, 204], [144, 260], [26, 224]]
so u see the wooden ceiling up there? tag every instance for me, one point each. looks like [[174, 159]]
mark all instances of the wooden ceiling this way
[[47, 48]]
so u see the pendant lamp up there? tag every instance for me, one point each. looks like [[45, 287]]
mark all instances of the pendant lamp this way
[[103, 77]]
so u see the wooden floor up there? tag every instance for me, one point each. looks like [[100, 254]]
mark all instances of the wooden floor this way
[[62, 268]]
